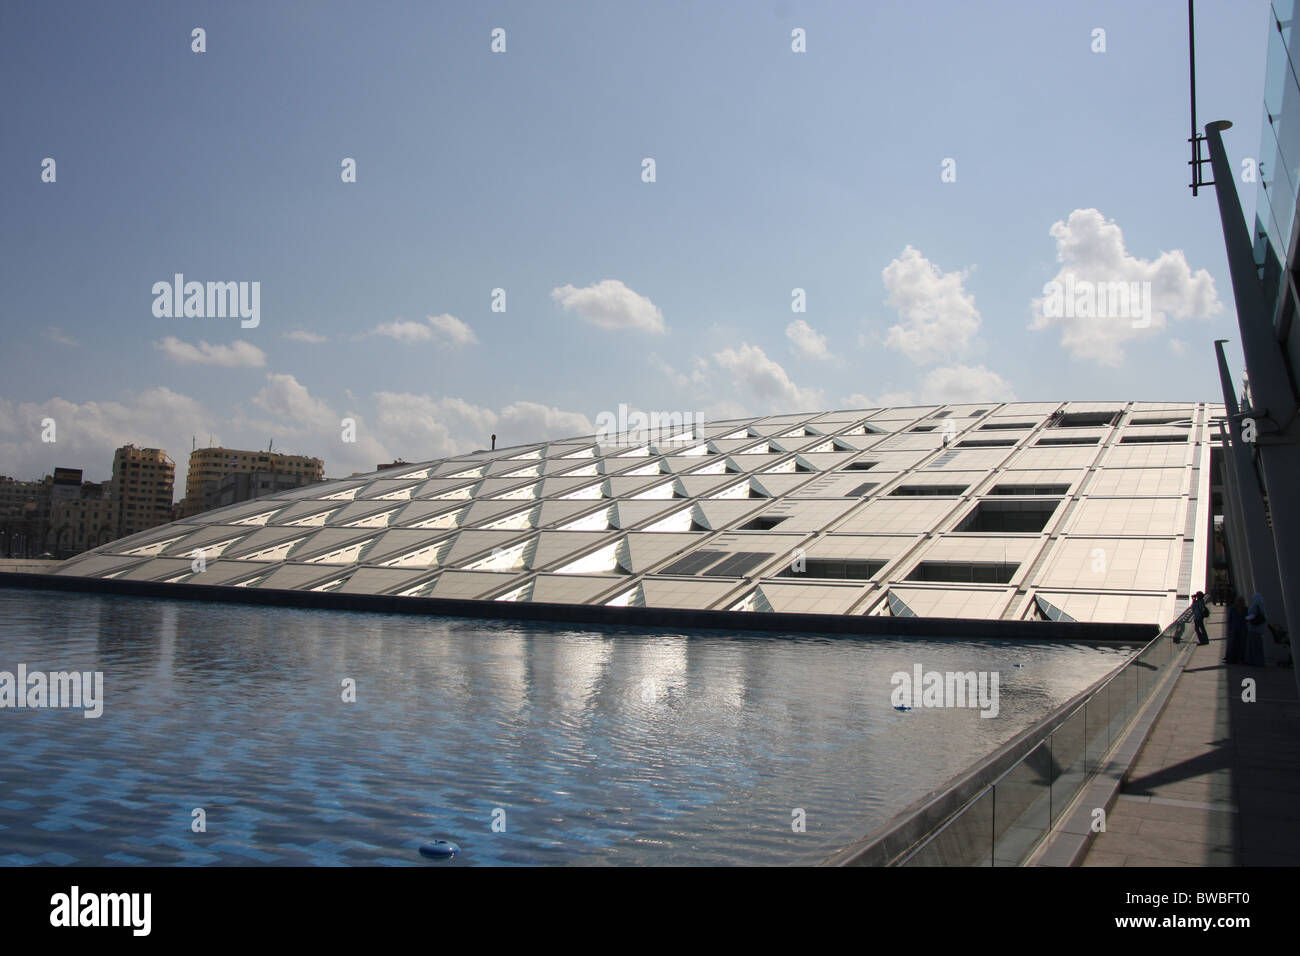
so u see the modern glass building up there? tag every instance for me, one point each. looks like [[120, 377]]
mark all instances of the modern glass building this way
[[1262, 440], [1279, 175], [1031, 511]]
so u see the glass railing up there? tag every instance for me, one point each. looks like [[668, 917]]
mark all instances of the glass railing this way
[[1006, 821]]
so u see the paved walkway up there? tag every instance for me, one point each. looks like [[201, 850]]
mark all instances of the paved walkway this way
[[1218, 781]]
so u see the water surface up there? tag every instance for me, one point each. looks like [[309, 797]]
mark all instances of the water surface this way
[[589, 745]]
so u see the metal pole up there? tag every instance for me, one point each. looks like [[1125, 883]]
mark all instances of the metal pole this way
[[1191, 59], [1234, 520], [1259, 542]]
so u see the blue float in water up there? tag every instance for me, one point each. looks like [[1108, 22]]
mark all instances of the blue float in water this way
[[439, 849]]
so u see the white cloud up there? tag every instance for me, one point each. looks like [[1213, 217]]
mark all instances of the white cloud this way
[[444, 328], [609, 304], [948, 385], [696, 378], [806, 341], [404, 331], [1091, 251], [939, 317], [87, 433], [300, 423], [285, 396], [523, 422], [898, 399], [237, 354], [302, 335], [424, 427], [56, 334], [753, 372], [452, 330], [960, 384], [416, 427]]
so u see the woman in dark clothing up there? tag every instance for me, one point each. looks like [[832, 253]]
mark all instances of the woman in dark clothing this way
[[1255, 631], [1236, 652]]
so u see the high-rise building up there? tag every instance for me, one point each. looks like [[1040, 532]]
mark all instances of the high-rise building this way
[[142, 488], [210, 466]]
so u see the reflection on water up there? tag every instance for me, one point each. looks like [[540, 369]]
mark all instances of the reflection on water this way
[[600, 745]]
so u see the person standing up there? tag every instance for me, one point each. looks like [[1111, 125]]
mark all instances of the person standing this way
[[1199, 613], [1236, 650], [1256, 621]]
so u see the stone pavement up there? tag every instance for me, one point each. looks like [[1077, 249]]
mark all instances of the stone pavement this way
[[1218, 781]]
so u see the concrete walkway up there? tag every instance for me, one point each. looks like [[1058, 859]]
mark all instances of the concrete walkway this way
[[1218, 781]]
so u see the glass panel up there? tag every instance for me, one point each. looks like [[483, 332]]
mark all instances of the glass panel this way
[[1276, 70], [1021, 800], [1067, 755], [1285, 169], [1005, 822], [1123, 703], [1098, 723], [1284, 14], [966, 841], [1275, 199]]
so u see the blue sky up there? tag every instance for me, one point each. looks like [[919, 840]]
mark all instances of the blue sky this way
[[523, 171]]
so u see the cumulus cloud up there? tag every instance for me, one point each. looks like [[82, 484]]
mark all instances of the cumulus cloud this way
[[286, 397], [302, 335], [87, 433], [753, 372], [427, 427], [284, 410], [452, 330], [947, 385], [404, 331], [523, 422], [1102, 298], [609, 304], [899, 399], [807, 341], [298, 422], [446, 329], [939, 317], [959, 384], [237, 354], [695, 378]]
